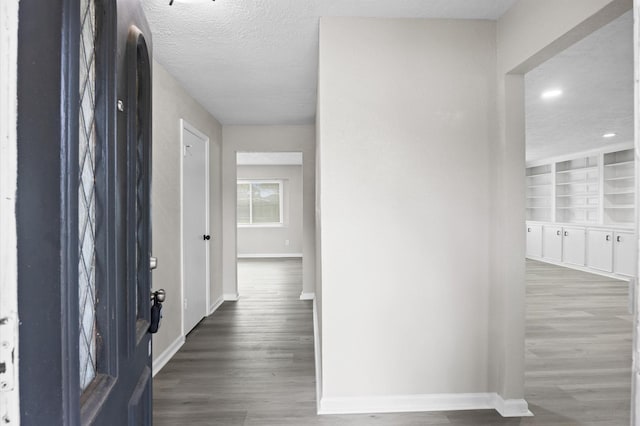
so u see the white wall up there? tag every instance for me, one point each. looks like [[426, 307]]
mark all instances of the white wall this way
[[406, 120], [285, 240], [170, 104], [527, 34], [9, 399], [267, 139]]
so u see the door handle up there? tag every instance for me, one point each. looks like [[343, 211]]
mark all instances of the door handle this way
[[618, 238], [607, 238], [558, 232], [153, 263], [157, 297], [528, 229], [566, 234], [206, 237]]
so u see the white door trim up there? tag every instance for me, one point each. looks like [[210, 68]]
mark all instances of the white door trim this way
[[185, 125], [633, 283], [9, 398]]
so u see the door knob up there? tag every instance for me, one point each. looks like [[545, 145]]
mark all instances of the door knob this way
[[158, 295], [608, 237], [206, 237], [558, 232], [618, 238], [153, 262]]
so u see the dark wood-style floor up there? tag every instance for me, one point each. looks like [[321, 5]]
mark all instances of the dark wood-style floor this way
[[251, 362]]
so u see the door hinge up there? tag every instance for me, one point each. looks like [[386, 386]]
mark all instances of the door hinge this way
[[7, 349]]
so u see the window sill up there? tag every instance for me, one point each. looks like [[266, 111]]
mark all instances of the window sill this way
[[262, 225]]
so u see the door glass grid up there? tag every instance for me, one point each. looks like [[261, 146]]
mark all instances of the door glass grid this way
[[86, 195]]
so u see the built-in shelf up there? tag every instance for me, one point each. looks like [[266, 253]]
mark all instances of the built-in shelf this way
[[625, 192], [578, 182], [621, 206], [584, 194], [579, 169], [576, 207], [539, 192], [595, 188], [621, 163], [618, 178]]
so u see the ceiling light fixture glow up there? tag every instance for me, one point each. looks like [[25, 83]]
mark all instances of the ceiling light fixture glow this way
[[553, 93], [608, 135]]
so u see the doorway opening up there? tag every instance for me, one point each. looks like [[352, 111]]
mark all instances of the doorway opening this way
[[580, 227], [269, 211]]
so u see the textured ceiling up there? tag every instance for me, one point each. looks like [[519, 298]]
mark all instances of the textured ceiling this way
[[256, 61], [596, 77]]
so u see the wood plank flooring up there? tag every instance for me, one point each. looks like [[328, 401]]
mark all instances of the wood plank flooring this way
[[251, 362]]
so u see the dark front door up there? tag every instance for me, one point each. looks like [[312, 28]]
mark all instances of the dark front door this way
[[83, 212]]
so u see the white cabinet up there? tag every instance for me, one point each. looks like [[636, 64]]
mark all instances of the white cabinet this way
[[600, 249], [552, 243], [624, 253], [534, 241], [573, 245]]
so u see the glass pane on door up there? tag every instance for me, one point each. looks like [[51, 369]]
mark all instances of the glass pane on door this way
[[87, 195]]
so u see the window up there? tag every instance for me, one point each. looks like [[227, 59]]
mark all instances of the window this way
[[259, 203]]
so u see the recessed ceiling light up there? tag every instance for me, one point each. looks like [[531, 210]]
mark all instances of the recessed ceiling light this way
[[608, 135], [553, 93]]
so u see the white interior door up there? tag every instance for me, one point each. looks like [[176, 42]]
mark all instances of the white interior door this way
[[195, 226]]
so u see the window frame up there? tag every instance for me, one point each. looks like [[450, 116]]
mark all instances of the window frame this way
[[251, 182]]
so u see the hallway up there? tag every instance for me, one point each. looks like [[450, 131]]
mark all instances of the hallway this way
[[252, 362]]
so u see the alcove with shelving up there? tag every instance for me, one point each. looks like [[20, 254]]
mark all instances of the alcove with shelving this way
[[539, 193], [619, 188], [577, 190]]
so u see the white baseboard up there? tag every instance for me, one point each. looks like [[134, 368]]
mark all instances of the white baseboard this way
[[215, 305], [307, 295], [167, 354], [582, 268], [429, 402], [511, 407], [269, 255], [317, 354], [230, 297]]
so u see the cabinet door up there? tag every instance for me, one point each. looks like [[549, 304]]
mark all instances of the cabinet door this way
[[534, 241], [552, 243], [624, 253], [573, 245], [600, 249]]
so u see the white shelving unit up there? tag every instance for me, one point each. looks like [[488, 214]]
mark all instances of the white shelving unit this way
[[619, 188], [581, 211], [539, 193], [577, 190]]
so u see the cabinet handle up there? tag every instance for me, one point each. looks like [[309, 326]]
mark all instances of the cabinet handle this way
[[528, 229], [608, 237], [618, 238], [558, 232], [566, 234]]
